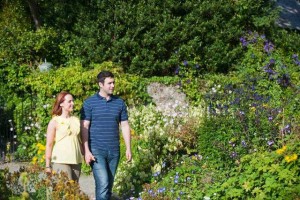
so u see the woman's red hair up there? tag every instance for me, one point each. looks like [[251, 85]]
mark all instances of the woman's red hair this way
[[57, 110]]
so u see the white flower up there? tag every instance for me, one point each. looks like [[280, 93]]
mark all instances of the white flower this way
[[213, 90], [206, 198], [11, 129], [15, 136]]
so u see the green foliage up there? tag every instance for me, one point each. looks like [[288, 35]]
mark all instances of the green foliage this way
[[22, 44], [256, 108], [265, 175], [5, 192], [162, 33], [38, 89], [188, 180], [158, 141], [250, 114]]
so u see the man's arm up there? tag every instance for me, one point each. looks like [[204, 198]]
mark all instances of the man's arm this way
[[84, 126], [127, 138]]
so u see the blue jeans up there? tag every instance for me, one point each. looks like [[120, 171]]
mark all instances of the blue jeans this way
[[104, 170]]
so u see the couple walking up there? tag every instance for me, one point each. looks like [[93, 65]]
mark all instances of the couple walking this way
[[95, 135]]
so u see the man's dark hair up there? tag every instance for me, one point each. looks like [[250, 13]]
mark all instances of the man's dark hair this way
[[103, 75]]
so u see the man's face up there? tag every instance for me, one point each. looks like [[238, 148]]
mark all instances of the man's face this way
[[108, 86]]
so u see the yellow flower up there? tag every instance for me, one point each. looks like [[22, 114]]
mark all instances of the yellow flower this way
[[131, 132], [42, 148], [252, 108], [291, 158], [265, 105], [281, 151], [34, 159]]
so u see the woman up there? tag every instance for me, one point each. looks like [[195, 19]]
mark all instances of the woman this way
[[63, 147]]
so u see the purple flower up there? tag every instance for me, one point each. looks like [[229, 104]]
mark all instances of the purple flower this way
[[272, 61], [268, 47], [177, 70], [295, 56], [244, 42], [244, 144], [233, 155], [270, 142], [284, 81], [287, 129], [156, 174], [185, 63]]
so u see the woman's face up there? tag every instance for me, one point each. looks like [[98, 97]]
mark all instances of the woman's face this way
[[68, 103]]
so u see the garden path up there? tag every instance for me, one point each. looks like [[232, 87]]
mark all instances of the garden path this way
[[290, 14]]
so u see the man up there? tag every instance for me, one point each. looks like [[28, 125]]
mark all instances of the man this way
[[101, 116]]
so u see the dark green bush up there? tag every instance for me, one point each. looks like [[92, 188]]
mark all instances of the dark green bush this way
[[152, 37]]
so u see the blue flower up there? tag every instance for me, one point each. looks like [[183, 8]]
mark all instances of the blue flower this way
[[244, 42], [270, 142], [233, 155], [268, 47], [185, 63], [177, 70], [244, 144]]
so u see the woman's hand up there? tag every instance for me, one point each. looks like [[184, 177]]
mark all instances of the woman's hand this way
[[48, 170]]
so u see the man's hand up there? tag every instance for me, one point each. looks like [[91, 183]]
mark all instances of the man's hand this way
[[89, 158], [128, 155]]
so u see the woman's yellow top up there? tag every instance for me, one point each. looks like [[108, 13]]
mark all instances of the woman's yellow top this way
[[67, 147]]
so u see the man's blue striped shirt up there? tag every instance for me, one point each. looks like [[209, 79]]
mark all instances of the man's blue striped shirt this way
[[105, 117]]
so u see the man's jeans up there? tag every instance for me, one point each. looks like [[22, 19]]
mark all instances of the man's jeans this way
[[104, 170]]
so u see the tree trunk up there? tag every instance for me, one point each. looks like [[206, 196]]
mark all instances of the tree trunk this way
[[34, 10]]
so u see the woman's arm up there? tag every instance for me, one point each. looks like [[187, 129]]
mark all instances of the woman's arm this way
[[84, 126], [49, 143]]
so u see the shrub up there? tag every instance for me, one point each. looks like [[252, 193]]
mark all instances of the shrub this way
[[256, 108], [33, 183], [152, 38], [158, 141]]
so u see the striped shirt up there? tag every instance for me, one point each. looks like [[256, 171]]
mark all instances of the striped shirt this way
[[105, 117]]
